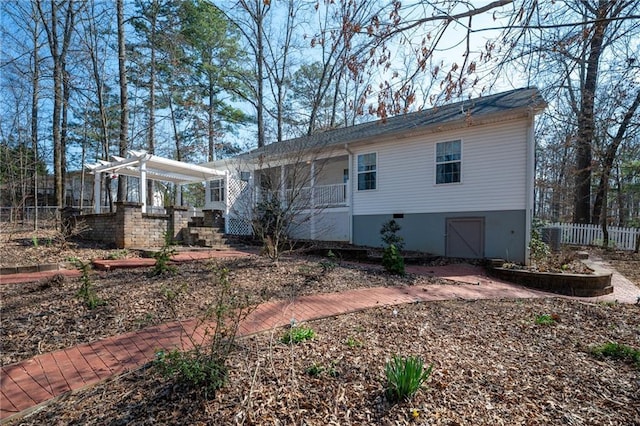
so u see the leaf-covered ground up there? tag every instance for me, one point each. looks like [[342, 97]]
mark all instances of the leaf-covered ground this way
[[49, 315], [493, 364]]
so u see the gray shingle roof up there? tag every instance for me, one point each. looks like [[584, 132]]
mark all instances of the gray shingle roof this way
[[500, 103]]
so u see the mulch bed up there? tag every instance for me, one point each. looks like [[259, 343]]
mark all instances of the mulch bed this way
[[492, 365]]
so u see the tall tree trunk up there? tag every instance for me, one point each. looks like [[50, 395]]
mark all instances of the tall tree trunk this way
[[622, 214], [58, 54], [176, 136], [35, 88], [124, 99], [260, 70], [600, 205], [210, 120], [584, 141], [152, 94], [605, 230], [66, 94]]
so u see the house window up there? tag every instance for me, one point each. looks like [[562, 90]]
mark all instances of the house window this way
[[367, 166], [448, 162], [217, 190]]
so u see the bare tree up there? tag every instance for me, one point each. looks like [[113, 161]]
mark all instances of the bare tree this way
[[283, 202], [252, 25], [124, 98], [58, 23]]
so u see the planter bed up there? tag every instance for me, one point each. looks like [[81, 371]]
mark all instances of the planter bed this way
[[581, 285]]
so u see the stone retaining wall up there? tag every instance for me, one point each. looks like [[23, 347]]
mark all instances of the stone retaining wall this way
[[596, 284], [128, 227]]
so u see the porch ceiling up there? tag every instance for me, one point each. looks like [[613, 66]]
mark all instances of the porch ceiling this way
[[157, 168]]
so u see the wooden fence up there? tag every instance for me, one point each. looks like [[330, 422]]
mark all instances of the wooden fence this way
[[591, 235]]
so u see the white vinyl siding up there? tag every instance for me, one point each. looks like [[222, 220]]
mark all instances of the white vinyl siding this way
[[493, 175]]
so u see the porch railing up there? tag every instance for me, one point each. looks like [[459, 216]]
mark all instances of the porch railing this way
[[320, 196]]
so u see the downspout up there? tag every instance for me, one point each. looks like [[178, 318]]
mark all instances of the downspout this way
[[350, 192], [529, 187]]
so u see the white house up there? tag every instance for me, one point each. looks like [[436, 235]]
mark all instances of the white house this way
[[458, 179]]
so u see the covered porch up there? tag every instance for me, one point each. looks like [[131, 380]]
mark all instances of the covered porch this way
[[315, 184]]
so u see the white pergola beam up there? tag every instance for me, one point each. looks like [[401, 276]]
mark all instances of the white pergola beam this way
[[145, 166]]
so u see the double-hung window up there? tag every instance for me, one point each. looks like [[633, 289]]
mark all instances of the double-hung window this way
[[367, 167], [448, 162], [217, 190]]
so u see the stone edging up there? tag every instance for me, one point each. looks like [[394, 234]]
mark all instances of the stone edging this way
[[29, 269], [579, 285]]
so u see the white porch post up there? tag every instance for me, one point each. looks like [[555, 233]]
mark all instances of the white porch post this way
[[178, 194], [143, 185], [312, 223], [349, 194], [97, 191], [283, 187], [226, 201]]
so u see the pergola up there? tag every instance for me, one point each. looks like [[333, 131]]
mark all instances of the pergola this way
[[147, 166]]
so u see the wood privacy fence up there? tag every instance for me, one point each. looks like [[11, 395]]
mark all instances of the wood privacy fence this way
[[591, 235]]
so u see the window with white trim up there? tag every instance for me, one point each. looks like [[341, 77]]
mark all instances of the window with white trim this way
[[367, 168], [448, 162], [217, 189]]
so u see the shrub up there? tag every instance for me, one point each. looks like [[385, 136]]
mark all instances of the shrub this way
[[297, 334], [405, 376], [329, 264], [163, 257], [118, 254], [205, 366], [271, 225], [389, 234], [314, 370], [87, 291], [393, 261], [618, 351], [538, 249], [193, 369], [352, 342], [546, 319]]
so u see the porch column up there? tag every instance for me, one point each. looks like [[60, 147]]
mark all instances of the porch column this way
[[178, 194], [312, 182], [283, 187], [97, 191], [349, 194], [226, 201], [143, 186]]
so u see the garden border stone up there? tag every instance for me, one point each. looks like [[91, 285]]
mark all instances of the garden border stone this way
[[567, 284]]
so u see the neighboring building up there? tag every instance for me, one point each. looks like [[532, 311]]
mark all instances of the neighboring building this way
[[458, 179]]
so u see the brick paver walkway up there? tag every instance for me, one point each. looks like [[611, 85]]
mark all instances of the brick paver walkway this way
[[27, 384]]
